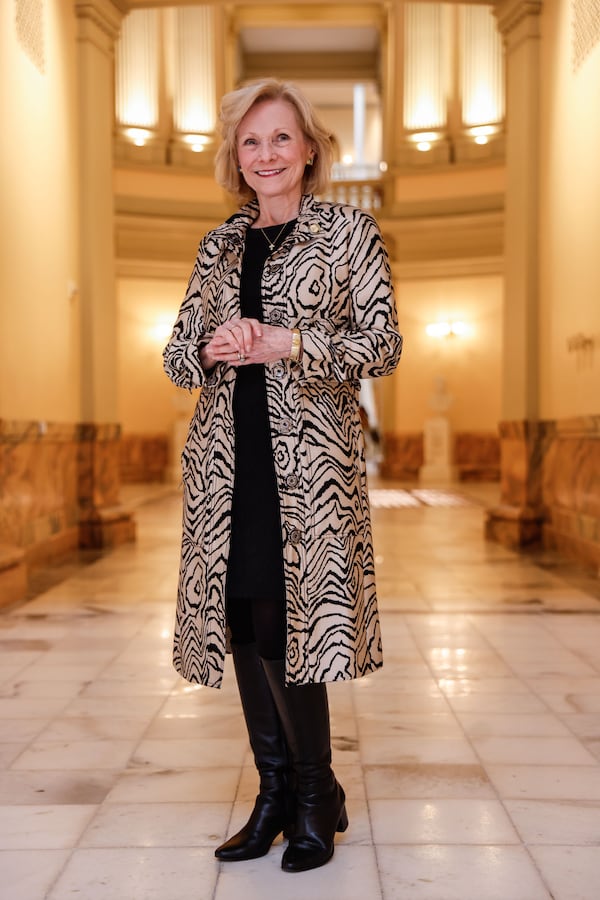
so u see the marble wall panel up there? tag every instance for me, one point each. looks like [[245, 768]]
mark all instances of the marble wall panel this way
[[402, 456], [38, 484], [143, 458], [59, 490], [550, 487], [571, 489], [476, 456]]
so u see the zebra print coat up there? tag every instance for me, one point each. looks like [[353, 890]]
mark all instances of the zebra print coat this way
[[331, 279]]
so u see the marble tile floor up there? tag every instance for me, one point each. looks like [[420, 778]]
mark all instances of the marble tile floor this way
[[471, 761]]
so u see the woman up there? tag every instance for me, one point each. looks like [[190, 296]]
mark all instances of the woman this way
[[289, 305]]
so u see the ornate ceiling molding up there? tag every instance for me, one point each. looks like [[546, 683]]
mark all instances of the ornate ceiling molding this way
[[515, 15], [102, 15]]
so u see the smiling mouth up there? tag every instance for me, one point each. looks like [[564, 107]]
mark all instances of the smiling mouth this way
[[264, 173]]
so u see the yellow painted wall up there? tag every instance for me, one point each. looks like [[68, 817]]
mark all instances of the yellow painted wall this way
[[569, 220], [159, 184], [149, 402], [470, 365], [449, 184], [39, 316]]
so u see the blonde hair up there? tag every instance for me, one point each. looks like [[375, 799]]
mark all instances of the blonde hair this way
[[234, 107]]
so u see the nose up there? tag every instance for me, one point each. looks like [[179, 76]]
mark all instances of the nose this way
[[267, 150]]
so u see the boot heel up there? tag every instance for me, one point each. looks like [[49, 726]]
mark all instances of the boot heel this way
[[343, 820]]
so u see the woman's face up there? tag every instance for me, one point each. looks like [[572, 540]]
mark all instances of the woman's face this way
[[272, 150]]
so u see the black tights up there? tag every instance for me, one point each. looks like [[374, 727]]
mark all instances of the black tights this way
[[258, 620]]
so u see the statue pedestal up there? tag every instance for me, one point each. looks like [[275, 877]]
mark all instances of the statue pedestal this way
[[437, 448]]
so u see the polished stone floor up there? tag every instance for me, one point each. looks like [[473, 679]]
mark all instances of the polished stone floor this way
[[471, 762]]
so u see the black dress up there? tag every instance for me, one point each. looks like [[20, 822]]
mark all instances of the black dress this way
[[255, 566]]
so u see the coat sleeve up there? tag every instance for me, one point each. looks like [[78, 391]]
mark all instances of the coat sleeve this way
[[370, 344], [181, 356]]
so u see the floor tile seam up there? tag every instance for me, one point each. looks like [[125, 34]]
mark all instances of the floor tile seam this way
[[436, 678], [502, 800], [483, 612], [18, 674], [355, 718], [466, 736], [474, 749], [35, 738], [54, 882], [522, 679], [108, 806], [97, 676], [432, 674], [529, 847], [578, 655], [142, 736], [178, 845], [543, 616], [563, 719], [438, 843]]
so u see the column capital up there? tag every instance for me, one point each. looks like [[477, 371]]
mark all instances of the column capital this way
[[100, 20], [513, 15]]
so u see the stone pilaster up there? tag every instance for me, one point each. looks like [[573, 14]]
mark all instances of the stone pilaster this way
[[519, 517], [102, 521]]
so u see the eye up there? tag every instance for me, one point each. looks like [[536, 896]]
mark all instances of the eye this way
[[282, 138], [249, 142]]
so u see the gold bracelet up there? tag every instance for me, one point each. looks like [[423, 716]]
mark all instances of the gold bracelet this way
[[296, 350]]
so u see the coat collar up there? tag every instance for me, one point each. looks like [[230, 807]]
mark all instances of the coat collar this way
[[233, 231]]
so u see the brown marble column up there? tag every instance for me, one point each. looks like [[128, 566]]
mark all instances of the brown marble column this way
[[103, 521], [98, 24], [518, 519]]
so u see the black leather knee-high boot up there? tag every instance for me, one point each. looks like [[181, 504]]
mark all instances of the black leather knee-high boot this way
[[321, 809], [274, 808]]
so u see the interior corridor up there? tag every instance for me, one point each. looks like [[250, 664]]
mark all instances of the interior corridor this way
[[471, 761]]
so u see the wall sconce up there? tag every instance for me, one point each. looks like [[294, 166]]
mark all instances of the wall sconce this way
[[138, 136], [196, 142], [424, 139], [482, 133], [161, 331], [583, 346], [446, 329]]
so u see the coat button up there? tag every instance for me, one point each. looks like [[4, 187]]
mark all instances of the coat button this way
[[276, 315], [292, 481], [314, 227], [278, 371], [295, 536], [286, 426]]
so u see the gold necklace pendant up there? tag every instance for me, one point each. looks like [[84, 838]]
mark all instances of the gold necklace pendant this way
[[272, 244]]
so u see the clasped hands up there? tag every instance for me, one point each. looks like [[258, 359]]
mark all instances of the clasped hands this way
[[242, 341]]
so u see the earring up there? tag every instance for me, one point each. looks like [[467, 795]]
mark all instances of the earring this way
[[239, 168], [310, 161]]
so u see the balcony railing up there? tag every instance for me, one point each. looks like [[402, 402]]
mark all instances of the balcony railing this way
[[367, 194]]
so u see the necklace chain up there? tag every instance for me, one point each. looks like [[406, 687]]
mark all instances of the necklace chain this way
[[272, 244]]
